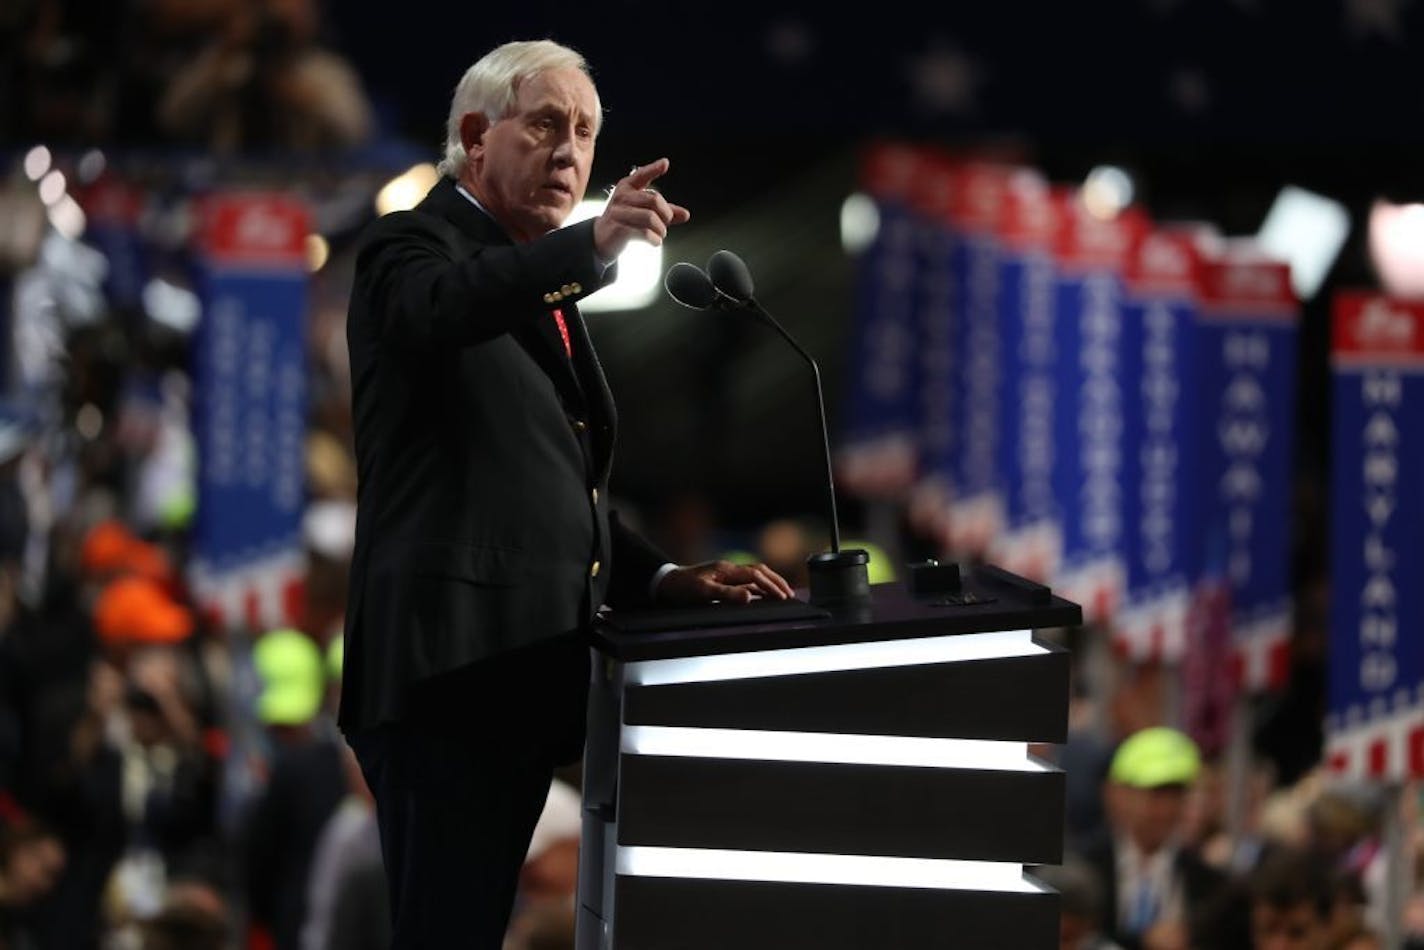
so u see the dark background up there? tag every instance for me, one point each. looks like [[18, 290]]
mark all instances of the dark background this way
[[1213, 105]]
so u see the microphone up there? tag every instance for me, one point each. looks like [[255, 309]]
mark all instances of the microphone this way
[[837, 577], [689, 286]]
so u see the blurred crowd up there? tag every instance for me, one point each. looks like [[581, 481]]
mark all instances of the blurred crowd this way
[[167, 781], [222, 75], [1155, 860]]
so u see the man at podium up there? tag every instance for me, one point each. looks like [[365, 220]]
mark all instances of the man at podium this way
[[484, 542]]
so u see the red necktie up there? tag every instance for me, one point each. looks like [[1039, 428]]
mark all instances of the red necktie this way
[[564, 332]]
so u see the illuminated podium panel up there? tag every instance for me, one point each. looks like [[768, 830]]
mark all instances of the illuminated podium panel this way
[[858, 780]]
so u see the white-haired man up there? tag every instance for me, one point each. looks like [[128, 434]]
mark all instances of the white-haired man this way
[[484, 543]]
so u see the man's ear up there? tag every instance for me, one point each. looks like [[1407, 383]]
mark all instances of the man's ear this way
[[473, 126]]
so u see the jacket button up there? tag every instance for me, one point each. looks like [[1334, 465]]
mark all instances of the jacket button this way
[[576, 288], [579, 425], [594, 493], [549, 298], [593, 569]]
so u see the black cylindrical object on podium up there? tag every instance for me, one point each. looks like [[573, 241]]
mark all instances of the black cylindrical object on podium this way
[[839, 578]]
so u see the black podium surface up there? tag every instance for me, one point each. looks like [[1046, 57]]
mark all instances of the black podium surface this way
[[856, 779]]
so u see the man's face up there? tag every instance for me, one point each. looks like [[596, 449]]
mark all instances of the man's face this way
[[1298, 927], [531, 167], [1152, 816]]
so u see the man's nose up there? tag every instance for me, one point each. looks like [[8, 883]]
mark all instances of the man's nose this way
[[564, 149]]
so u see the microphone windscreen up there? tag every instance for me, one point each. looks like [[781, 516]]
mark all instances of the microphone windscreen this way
[[686, 284], [729, 274]]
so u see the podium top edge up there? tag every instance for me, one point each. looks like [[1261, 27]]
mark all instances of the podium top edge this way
[[892, 614]]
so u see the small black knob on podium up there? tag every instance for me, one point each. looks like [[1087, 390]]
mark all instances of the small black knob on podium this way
[[839, 578], [932, 577]]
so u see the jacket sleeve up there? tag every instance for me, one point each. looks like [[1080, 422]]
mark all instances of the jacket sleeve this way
[[427, 289], [635, 561]]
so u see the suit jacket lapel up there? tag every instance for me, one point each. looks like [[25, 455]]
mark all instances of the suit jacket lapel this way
[[600, 398], [540, 337]]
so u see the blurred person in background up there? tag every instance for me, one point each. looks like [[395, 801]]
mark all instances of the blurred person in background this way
[[1207, 819], [1080, 897], [347, 906], [128, 784], [1348, 928], [484, 541], [31, 861], [1343, 824], [263, 81], [1292, 900], [306, 783], [146, 763], [347, 903], [329, 530], [1159, 894], [546, 905], [785, 544]]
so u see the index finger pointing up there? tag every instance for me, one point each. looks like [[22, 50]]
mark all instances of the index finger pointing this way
[[641, 178]]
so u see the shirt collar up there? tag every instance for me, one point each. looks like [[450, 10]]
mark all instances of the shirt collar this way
[[473, 200]]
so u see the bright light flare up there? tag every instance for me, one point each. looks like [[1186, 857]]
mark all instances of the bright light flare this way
[[1107, 191], [1397, 248], [405, 191], [640, 271], [826, 659], [37, 162], [1305, 230], [67, 217], [852, 869], [92, 165], [52, 187], [860, 222], [844, 749], [318, 252]]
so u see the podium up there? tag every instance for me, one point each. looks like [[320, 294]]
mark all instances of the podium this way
[[857, 780]]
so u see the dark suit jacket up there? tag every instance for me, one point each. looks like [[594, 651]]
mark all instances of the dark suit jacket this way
[[482, 452], [1218, 914]]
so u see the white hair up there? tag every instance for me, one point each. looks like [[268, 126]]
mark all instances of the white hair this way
[[491, 85]]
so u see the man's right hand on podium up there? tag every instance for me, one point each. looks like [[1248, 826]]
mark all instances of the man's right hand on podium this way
[[722, 580]]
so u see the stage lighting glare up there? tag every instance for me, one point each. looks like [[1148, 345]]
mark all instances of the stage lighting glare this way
[[1397, 248], [405, 191], [860, 222], [177, 308], [37, 162], [909, 751], [1106, 191], [792, 661], [52, 186], [640, 271], [89, 421], [842, 869], [1306, 231], [92, 165], [318, 250], [67, 217]]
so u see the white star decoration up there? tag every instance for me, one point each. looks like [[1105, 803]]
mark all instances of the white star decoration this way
[[1366, 17], [945, 80]]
